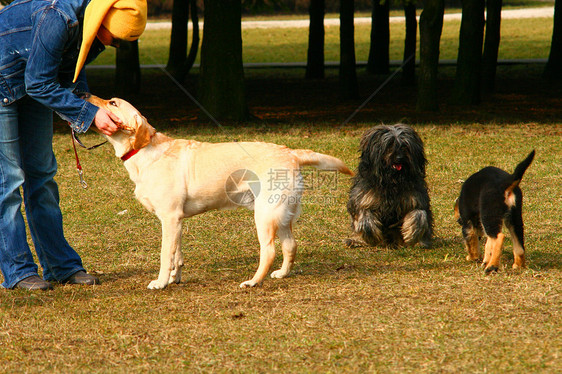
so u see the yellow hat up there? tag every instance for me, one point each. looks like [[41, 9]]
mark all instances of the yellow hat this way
[[124, 19]]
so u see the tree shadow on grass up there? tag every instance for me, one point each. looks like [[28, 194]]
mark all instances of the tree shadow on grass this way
[[372, 260], [277, 97], [220, 266]]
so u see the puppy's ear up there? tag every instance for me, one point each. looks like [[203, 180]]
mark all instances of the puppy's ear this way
[[143, 133]]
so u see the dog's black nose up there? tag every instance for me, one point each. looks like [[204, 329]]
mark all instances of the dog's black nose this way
[[399, 161], [399, 158]]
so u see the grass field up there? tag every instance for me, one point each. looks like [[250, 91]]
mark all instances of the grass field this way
[[343, 310]]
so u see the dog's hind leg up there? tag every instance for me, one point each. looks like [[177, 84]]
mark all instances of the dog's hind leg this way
[[487, 253], [494, 247], [492, 225], [171, 239], [355, 242], [175, 275], [289, 246], [518, 251], [471, 242], [367, 230], [266, 226], [515, 226]]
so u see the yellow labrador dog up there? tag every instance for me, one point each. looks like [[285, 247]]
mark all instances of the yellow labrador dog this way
[[177, 178]]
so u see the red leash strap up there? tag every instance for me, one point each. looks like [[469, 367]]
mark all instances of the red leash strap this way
[[78, 166]]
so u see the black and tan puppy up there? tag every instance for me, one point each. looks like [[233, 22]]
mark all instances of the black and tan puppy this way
[[489, 199], [389, 202]]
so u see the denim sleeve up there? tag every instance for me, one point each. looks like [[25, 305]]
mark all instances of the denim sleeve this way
[[81, 83], [50, 34]]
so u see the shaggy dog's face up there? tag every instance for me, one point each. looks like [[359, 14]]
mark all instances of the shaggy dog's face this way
[[394, 153], [396, 156]]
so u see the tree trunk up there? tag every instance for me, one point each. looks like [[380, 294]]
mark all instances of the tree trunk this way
[[431, 26], [222, 73], [179, 63], [347, 74], [179, 37], [469, 61], [315, 58], [491, 43], [409, 62], [553, 69], [127, 69], [192, 55], [378, 62]]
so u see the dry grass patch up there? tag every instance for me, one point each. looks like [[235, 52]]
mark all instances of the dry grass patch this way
[[343, 310]]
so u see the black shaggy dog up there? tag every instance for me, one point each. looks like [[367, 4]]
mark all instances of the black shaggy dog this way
[[388, 202]]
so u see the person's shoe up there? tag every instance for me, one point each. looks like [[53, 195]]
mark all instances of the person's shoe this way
[[81, 277], [34, 282]]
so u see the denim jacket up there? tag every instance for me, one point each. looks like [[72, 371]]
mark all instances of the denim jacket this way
[[39, 44]]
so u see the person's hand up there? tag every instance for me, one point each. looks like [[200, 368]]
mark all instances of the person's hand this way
[[107, 122]]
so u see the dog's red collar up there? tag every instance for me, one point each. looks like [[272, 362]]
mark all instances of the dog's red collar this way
[[129, 154]]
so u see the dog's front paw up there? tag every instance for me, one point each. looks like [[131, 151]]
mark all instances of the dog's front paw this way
[[156, 285], [249, 283]]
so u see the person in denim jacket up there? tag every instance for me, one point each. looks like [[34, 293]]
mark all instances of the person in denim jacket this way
[[44, 45]]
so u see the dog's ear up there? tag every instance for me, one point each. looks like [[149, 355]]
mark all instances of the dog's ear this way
[[372, 147], [143, 132], [368, 139]]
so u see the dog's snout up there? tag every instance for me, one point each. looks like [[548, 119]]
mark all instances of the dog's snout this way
[[399, 158]]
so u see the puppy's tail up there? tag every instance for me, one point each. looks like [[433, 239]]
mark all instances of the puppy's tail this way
[[522, 167], [516, 178], [320, 161]]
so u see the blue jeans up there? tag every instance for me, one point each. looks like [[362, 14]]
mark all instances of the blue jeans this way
[[27, 160]]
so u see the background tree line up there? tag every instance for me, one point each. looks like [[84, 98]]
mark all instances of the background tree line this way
[[221, 80], [221, 75], [266, 7]]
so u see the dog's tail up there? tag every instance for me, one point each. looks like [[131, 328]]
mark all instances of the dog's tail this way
[[320, 161], [516, 178], [522, 167]]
